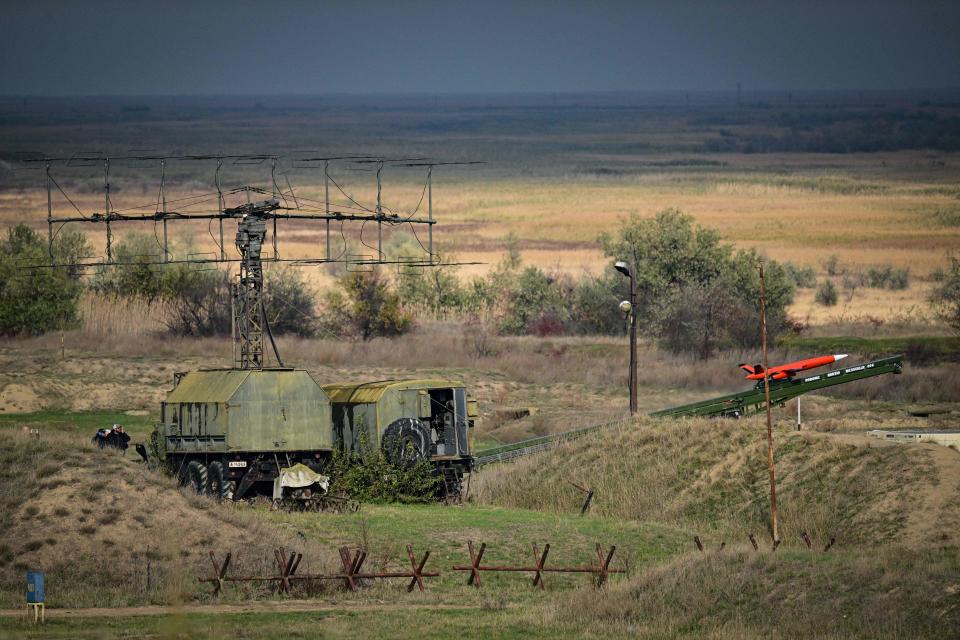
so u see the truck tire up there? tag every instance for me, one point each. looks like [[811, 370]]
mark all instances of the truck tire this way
[[197, 473], [216, 484], [406, 441]]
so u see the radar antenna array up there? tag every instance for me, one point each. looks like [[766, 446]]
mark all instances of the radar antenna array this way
[[249, 319]]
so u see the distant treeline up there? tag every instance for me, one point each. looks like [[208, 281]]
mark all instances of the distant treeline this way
[[833, 131]]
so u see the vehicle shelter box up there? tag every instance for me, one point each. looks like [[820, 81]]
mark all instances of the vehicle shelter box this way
[[235, 410], [368, 409]]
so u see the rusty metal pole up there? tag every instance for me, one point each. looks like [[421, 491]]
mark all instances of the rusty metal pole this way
[[766, 391], [633, 345], [106, 207], [49, 217]]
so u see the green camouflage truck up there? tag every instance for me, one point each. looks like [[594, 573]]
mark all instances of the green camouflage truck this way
[[229, 432]]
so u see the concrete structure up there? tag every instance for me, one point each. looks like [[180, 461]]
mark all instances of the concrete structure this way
[[946, 438]]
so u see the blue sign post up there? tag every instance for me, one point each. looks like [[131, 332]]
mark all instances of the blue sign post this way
[[35, 596]]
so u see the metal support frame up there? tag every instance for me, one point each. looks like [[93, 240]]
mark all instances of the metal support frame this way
[[753, 400], [248, 290]]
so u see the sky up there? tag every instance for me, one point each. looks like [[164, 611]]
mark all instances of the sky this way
[[212, 47]]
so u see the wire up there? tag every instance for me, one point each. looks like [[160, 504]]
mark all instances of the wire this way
[[337, 185], [59, 188]]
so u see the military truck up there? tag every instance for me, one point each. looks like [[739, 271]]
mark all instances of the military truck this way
[[229, 432]]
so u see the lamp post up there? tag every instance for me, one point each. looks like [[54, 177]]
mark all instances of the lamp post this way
[[630, 308]]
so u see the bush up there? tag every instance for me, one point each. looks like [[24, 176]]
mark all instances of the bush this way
[[196, 302], [827, 294], [34, 297], [888, 277], [364, 307], [946, 297], [832, 266], [533, 300], [369, 476], [695, 293], [435, 288], [596, 304], [899, 279], [289, 302], [802, 277], [137, 274]]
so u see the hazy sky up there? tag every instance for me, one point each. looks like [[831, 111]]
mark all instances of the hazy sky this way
[[95, 47]]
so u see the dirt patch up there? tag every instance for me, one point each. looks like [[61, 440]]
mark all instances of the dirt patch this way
[[19, 398]]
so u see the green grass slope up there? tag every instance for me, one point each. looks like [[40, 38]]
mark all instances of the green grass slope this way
[[711, 477]]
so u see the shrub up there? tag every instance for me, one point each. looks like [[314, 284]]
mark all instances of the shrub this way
[[435, 288], [532, 299], [365, 306], [899, 279], [289, 302], [888, 277], [367, 475], [197, 302], [827, 294], [695, 293], [34, 297], [946, 297], [596, 304], [137, 274], [832, 266], [802, 277]]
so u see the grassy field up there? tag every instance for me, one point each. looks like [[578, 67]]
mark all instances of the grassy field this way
[[670, 481], [111, 533], [554, 178]]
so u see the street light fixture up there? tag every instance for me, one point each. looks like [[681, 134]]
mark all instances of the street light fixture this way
[[629, 307]]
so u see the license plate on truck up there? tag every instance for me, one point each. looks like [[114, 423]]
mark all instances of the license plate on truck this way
[[237, 463]]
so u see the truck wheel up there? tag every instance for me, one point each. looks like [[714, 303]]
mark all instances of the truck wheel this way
[[406, 441], [197, 473], [215, 481]]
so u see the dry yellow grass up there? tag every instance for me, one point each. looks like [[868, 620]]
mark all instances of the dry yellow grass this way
[[866, 209]]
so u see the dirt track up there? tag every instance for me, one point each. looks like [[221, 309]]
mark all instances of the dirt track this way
[[263, 606]]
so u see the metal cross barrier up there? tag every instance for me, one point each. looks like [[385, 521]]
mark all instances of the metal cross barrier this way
[[600, 571], [804, 536], [352, 565]]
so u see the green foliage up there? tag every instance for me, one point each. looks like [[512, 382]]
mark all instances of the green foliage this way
[[289, 302], [832, 266], [827, 294], [365, 306], [367, 475], [36, 300], [534, 304], [694, 293], [197, 302], [137, 274], [666, 252], [803, 277], [946, 296], [888, 277], [596, 304], [436, 288]]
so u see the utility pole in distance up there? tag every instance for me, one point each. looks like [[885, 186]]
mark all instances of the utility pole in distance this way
[[766, 392], [630, 308]]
